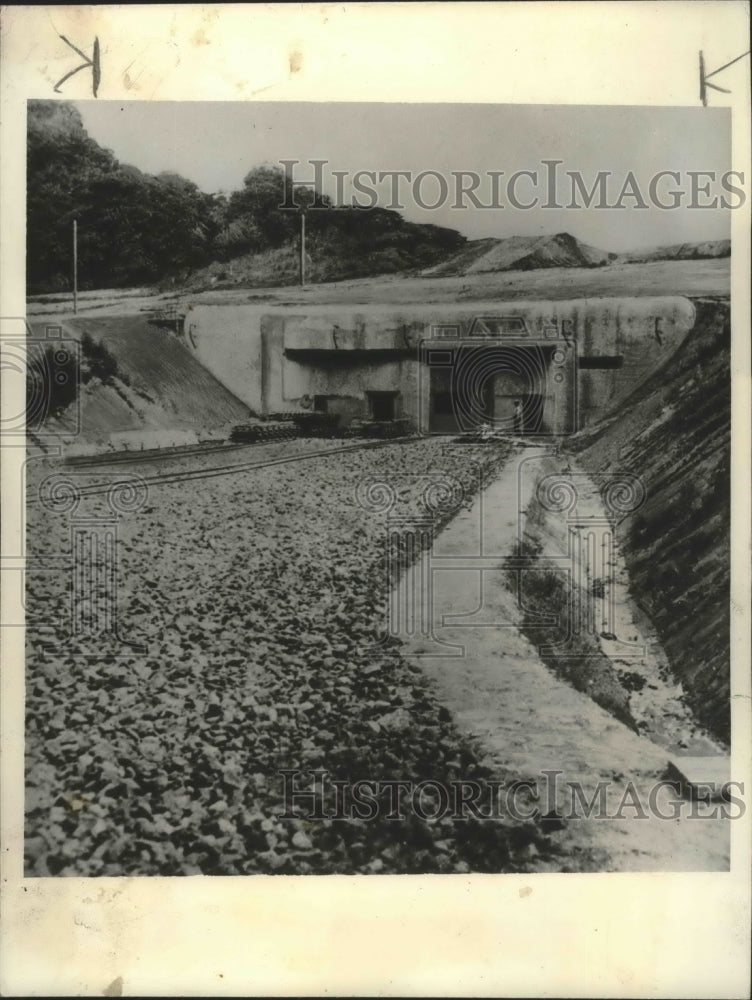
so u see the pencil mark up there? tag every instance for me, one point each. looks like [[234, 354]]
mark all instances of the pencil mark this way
[[94, 62], [704, 77]]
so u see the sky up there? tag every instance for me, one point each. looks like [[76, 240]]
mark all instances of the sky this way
[[215, 144]]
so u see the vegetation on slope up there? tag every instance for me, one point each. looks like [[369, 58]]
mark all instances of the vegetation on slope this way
[[136, 229]]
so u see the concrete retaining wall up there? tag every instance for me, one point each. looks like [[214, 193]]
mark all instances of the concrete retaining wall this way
[[261, 353], [227, 341]]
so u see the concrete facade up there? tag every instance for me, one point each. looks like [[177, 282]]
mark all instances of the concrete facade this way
[[447, 368]]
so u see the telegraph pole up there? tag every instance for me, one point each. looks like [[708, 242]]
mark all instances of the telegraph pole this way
[[302, 247], [75, 266]]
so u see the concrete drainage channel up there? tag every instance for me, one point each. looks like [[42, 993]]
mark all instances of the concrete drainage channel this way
[[600, 644], [535, 645]]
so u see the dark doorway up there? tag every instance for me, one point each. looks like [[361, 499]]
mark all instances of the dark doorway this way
[[459, 401], [383, 405], [514, 389]]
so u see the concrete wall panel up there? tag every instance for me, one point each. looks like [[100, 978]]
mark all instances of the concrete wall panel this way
[[246, 347], [227, 341]]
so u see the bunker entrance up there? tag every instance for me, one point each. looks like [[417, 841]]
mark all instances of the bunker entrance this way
[[506, 387]]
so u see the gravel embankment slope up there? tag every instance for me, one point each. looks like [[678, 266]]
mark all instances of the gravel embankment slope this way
[[255, 594]]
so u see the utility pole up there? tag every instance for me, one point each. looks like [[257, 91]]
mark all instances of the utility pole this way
[[75, 266], [302, 247]]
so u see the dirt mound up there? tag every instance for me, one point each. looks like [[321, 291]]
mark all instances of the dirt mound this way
[[674, 432], [522, 253], [137, 378], [708, 250]]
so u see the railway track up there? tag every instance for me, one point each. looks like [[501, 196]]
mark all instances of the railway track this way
[[186, 476], [151, 455]]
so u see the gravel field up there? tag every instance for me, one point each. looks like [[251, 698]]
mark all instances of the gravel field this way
[[254, 593]]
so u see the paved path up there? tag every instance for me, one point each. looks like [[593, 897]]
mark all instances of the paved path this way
[[528, 721]]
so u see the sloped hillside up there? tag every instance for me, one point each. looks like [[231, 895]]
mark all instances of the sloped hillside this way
[[708, 250], [674, 432], [138, 377], [522, 253], [341, 244]]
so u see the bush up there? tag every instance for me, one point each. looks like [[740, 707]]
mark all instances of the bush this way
[[100, 362]]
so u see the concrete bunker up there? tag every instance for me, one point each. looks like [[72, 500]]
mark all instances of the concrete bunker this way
[[531, 368]]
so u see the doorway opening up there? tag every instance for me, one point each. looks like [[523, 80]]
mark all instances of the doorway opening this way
[[382, 405], [502, 386]]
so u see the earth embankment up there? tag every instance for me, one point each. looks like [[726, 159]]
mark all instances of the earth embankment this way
[[673, 431], [137, 384]]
